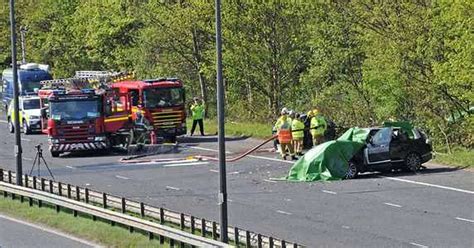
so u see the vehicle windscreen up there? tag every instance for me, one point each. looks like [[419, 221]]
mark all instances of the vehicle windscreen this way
[[31, 104], [163, 97], [30, 86], [74, 110]]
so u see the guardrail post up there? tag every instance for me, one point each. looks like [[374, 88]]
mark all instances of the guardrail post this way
[[9, 177], [283, 244], [124, 205], [42, 184], [214, 230], [142, 209], [236, 236], [69, 191], [86, 194], [34, 182], [150, 236], [30, 201], [193, 228], [171, 242], [295, 245], [60, 189], [58, 208], [203, 227], [259, 240], [78, 193], [270, 242], [104, 200], [27, 181], [181, 221], [51, 187], [162, 216], [247, 239]]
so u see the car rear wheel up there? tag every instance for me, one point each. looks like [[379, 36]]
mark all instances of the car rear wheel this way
[[11, 127], [413, 162], [352, 170]]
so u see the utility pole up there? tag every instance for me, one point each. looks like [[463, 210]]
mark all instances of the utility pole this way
[[19, 169], [221, 137], [23, 31]]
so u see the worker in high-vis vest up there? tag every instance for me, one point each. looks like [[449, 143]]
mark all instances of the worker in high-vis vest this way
[[285, 137], [297, 127], [318, 126], [197, 111]]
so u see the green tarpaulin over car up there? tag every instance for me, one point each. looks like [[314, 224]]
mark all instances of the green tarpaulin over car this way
[[329, 161]]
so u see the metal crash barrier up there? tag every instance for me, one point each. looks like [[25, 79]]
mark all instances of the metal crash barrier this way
[[135, 215]]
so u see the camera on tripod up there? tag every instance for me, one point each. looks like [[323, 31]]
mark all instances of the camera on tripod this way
[[37, 161]]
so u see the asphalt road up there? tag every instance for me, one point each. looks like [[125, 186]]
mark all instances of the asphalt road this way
[[434, 208], [15, 233]]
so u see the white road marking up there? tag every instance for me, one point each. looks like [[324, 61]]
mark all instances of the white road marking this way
[[173, 188], [233, 173], [346, 227], [283, 212], [212, 170], [70, 167], [24, 139], [251, 156], [418, 245], [392, 204], [29, 159], [88, 184], [2, 121], [287, 199], [270, 181], [45, 229], [184, 164], [207, 149], [329, 192], [122, 177], [429, 185], [229, 200], [468, 220]]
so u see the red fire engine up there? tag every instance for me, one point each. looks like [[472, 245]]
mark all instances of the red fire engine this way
[[160, 101], [85, 114]]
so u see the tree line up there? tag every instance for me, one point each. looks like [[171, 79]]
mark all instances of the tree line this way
[[359, 62]]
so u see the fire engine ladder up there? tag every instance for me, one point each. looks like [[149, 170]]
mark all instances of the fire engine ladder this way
[[66, 83]]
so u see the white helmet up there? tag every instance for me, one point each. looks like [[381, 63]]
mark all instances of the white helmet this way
[[284, 111], [291, 112]]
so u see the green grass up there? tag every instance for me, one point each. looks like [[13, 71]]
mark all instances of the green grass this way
[[461, 157], [234, 128], [83, 226]]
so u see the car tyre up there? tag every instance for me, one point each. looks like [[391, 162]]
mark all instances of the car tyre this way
[[26, 129], [413, 162], [352, 170], [55, 154], [11, 127]]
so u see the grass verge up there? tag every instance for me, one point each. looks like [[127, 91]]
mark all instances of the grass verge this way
[[82, 226], [233, 128], [459, 157]]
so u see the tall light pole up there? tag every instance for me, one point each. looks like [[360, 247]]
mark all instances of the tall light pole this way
[[221, 138], [16, 115], [23, 31]]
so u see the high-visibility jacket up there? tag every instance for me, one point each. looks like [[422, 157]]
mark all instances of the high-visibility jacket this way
[[197, 111], [284, 132], [297, 125], [318, 126]]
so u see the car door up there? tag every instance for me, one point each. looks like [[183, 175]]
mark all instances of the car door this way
[[378, 148]]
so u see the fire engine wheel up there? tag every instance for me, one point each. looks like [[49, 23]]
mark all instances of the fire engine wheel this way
[[11, 127], [55, 154]]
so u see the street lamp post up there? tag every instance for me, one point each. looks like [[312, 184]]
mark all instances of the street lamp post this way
[[19, 169], [23, 31], [221, 137]]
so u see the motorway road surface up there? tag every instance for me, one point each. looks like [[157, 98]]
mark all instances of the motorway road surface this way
[[434, 208], [18, 234]]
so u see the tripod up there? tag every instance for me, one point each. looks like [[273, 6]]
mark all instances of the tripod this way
[[37, 161]]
